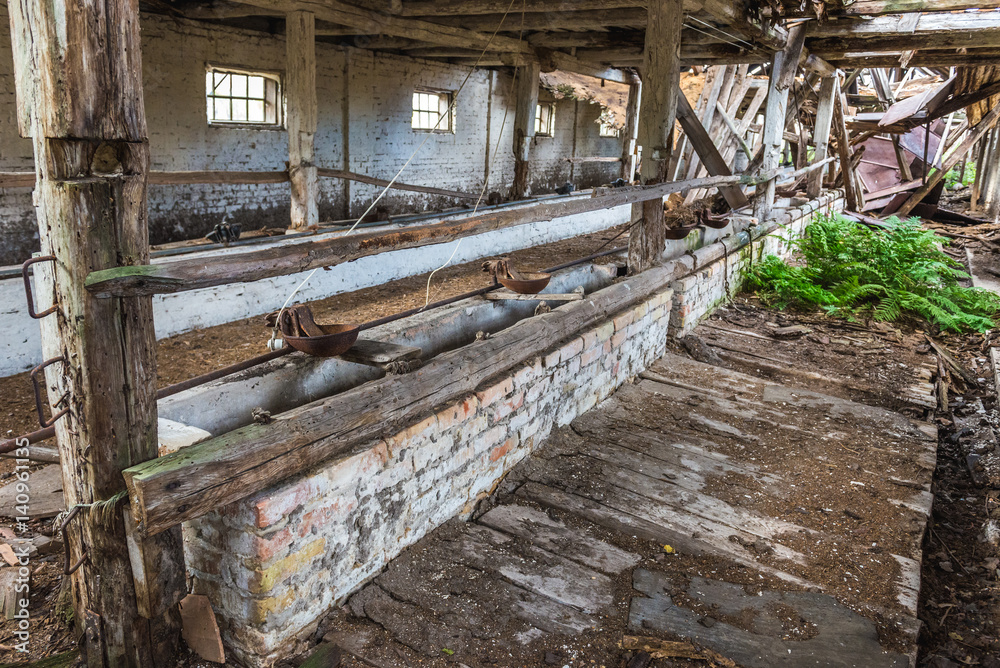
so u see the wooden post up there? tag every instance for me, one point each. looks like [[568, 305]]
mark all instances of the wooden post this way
[[78, 74], [772, 137], [706, 149], [821, 131], [524, 125], [844, 150], [661, 67], [630, 134], [300, 82]]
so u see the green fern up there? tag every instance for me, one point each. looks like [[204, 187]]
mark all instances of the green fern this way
[[849, 269]]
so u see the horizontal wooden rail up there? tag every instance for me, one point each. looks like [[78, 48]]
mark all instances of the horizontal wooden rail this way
[[292, 258], [195, 480], [27, 180], [17, 179], [577, 161], [361, 178]]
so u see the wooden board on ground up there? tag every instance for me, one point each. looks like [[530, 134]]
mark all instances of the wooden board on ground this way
[[823, 632], [45, 498]]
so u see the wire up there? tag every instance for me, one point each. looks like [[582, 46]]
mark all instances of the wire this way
[[496, 150], [721, 31], [451, 108]]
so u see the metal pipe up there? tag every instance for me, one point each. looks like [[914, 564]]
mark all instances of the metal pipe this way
[[43, 434]]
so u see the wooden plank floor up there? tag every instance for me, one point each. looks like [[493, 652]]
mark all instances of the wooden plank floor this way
[[794, 522]]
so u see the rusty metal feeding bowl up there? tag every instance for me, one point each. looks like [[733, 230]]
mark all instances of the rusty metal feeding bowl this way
[[301, 332], [529, 284], [678, 232]]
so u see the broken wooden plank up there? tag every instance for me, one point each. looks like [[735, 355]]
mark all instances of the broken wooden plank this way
[[550, 534], [46, 495], [708, 152], [199, 628]]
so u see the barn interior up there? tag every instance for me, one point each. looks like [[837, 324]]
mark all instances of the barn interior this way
[[417, 332]]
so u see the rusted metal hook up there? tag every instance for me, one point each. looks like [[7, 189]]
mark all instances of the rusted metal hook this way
[[27, 286], [38, 394]]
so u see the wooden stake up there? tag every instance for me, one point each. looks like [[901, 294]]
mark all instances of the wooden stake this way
[[661, 63], [300, 58], [524, 126], [844, 150], [79, 83]]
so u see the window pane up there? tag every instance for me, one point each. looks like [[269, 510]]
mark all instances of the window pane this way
[[239, 110], [222, 83], [239, 85], [256, 88], [221, 109], [255, 113]]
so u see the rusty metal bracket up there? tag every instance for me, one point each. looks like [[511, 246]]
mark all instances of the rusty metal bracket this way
[[38, 394], [27, 286], [67, 569]]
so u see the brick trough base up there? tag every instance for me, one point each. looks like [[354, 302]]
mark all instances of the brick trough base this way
[[274, 563]]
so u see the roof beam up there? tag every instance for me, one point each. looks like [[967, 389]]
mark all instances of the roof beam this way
[[925, 24], [969, 57], [880, 7], [376, 23]]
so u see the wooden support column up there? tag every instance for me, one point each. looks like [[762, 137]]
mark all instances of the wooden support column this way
[[772, 137], [630, 134], [661, 69], [300, 82], [844, 152], [525, 108], [78, 71], [828, 89], [706, 149]]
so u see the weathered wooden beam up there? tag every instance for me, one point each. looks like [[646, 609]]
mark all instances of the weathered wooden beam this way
[[932, 24], [300, 95], [193, 274], [772, 136], [557, 60], [924, 58], [975, 134], [661, 69], [866, 8], [323, 172], [380, 353], [834, 48], [630, 133], [525, 107], [734, 131], [709, 153], [828, 89], [366, 21], [17, 179], [456, 7], [78, 72], [507, 295], [844, 150]]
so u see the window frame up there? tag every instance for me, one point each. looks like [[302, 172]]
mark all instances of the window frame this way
[[614, 133], [446, 99], [551, 106], [275, 76]]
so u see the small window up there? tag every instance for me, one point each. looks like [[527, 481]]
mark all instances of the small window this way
[[609, 130], [545, 116], [432, 111], [243, 97]]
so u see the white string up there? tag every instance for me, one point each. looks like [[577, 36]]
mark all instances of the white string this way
[[451, 108], [721, 31], [489, 170]]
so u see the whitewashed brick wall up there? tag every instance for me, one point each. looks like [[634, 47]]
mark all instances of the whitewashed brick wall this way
[[275, 562], [368, 93]]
